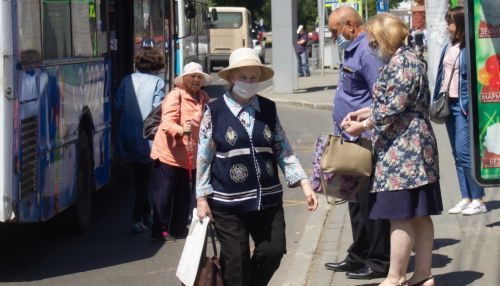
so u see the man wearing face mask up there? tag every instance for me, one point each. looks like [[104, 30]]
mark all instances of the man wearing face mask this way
[[241, 145], [368, 255]]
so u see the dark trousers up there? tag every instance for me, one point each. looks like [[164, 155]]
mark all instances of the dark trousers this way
[[371, 238], [267, 229], [142, 177], [172, 199]]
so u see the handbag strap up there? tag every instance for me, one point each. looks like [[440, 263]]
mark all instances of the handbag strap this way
[[452, 71], [211, 233]]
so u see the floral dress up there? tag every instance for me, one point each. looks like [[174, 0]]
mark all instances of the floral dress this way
[[404, 144]]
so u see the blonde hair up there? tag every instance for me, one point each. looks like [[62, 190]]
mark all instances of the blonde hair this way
[[389, 31]]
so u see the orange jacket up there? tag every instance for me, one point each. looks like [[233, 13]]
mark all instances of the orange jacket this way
[[169, 146]]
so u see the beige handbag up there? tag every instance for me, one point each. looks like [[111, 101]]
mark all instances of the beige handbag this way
[[344, 157]]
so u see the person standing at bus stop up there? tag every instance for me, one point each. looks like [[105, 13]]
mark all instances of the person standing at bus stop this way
[[137, 95], [174, 152], [453, 69], [368, 255], [301, 51]]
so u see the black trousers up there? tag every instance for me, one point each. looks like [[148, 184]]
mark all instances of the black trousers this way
[[142, 177], [371, 238], [267, 229], [172, 199]]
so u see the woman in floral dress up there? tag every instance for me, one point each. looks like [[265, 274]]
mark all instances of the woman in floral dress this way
[[405, 187]]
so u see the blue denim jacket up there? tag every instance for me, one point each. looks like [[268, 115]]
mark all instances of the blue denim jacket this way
[[462, 79]]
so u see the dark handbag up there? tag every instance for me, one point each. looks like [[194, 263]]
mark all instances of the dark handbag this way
[[344, 157], [209, 271], [440, 107], [151, 123]]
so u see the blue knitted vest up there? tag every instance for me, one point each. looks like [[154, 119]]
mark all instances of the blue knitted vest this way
[[244, 170]]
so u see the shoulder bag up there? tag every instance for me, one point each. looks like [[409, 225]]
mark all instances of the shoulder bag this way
[[344, 157], [440, 107], [209, 272], [152, 121]]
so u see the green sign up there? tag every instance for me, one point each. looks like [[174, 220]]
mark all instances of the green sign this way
[[483, 24]]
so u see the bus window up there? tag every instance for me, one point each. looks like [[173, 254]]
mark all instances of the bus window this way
[[102, 25], [141, 23], [56, 29], [30, 39], [84, 28], [228, 20]]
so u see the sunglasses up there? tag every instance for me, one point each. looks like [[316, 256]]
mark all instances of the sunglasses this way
[[373, 44]]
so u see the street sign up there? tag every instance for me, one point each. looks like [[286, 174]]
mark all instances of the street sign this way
[[382, 6], [483, 42]]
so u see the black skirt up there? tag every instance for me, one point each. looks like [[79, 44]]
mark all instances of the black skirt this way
[[406, 204]]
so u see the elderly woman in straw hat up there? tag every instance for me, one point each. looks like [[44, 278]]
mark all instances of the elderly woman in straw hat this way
[[174, 150], [241, 145]]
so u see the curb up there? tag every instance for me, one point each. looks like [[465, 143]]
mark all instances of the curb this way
[[322, 106], [306, 250]]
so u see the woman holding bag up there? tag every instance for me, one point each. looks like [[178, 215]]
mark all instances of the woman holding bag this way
[[405, 187], [172, 147], [452, 76]]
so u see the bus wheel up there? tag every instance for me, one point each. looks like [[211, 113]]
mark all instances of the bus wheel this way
[[80, 210]]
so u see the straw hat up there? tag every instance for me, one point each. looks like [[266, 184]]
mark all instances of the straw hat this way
[[246, 57], [191, 68]]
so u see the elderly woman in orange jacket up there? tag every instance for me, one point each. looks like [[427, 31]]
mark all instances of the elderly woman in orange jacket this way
[[174, 151]]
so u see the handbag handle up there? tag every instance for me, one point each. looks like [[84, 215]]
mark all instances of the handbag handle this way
[[211, 232]]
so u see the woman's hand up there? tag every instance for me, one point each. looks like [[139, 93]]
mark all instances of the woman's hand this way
[[203, 208], [312, 200], [354, 128], [186, 128]]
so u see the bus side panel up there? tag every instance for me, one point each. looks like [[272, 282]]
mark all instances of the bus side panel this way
[[64, 92], [100, 84]]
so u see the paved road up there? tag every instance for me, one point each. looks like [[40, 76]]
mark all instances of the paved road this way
[[108, 254]]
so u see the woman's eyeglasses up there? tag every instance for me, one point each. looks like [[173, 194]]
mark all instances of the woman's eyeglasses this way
[[373, 44]]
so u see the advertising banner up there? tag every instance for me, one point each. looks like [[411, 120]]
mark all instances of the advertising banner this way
[[483, 24]]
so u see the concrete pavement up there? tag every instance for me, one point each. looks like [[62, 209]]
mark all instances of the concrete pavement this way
[[466, 249]]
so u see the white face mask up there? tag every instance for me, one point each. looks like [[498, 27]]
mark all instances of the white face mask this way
[[245, 90]]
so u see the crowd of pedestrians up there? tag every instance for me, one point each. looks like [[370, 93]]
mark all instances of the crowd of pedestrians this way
[[222, 157]]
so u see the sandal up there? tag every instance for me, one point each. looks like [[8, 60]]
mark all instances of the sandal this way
[[420, 283]]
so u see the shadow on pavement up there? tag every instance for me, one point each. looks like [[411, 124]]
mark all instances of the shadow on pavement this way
[[31, 252], [492, 205], [315, 88], [458, 278], [444, 242]]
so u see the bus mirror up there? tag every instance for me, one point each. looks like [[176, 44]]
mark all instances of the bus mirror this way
[[190, 10], [214, 15]]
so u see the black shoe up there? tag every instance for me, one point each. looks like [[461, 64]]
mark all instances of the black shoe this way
[[366, 273], [343, 266], [308, 74], [300, 75]]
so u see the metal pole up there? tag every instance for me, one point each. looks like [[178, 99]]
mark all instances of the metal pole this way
[[366, 10], [322, 35]]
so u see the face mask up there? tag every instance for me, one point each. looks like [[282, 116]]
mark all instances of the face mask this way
[[341, 41], [245, 90]]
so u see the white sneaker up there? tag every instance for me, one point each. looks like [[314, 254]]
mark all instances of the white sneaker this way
[[460, 207], [475, 208]]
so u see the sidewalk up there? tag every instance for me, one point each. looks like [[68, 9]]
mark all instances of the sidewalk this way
[[466, 249]]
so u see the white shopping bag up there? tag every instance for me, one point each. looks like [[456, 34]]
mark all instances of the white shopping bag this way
[[191, 254]]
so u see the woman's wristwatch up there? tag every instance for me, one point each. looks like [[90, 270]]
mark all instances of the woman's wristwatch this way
[[365, 125]]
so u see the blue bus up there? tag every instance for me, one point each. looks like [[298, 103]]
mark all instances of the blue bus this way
[[61, 61]]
